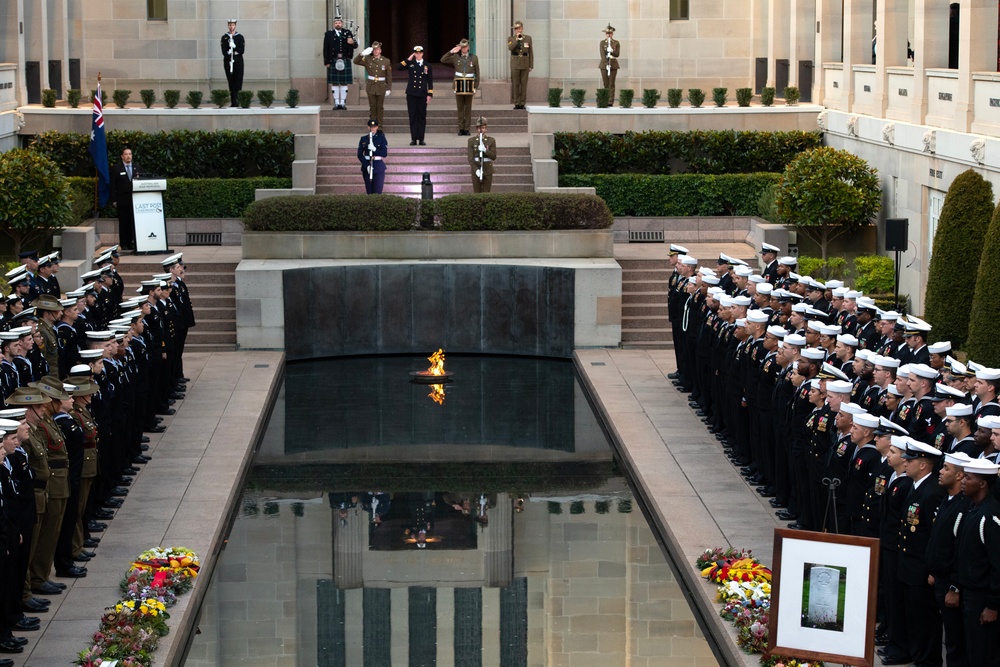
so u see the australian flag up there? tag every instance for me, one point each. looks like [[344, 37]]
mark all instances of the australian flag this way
[[99, 150]]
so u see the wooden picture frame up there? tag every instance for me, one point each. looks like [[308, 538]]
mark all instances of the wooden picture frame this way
[[846, 570]]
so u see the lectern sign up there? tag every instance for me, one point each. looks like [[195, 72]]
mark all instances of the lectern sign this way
[[147, 204]]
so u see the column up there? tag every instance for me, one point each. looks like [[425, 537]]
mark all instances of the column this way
[[857, 43], [890, 48], [930, 49], [493, 22], [828, 46], [977, 52], [802, 37], [778, 47], [759, 33], [57, 28]]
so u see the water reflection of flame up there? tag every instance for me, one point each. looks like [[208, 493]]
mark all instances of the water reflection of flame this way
[[437, 363], [437, 393]]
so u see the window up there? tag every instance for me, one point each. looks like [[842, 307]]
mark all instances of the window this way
[[935, 202], [678, 10], [156, 10]]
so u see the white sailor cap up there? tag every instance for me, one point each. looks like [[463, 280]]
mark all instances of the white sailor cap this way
[[814, 353], [989, 422], [983, 467], [91, 354], [19, 278], [767, 247], [960, 459], [852, 408], [788, 261], [711, 279], [903, 371], [834, 284], [173, 259], [8, 335], [776, 331], [974, 366], [959, 410], [68, 303], [924, 371], [21, 331], [892, 390], [757, 316], [839, 292], [80, 369], [886, 362], [99, 335], [847, 339], [853, 294], [742, 300], [743, 271], [765, 288], [795, 339], [865, 355], [90, 275], [741, 321], [758, 280], [866, 420], [838, 387], [678, 249], [16, 271], [687, 259], [988, 374], [799, 308], [815, 325], [831, 330], [942, 347]]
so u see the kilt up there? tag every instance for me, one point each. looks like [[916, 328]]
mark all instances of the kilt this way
[[344, 77]]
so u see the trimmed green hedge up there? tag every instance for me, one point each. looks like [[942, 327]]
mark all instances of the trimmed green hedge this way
[[180, 153], [386, 213], [677, 195], [983, 344], [186, 197], [701, 152]]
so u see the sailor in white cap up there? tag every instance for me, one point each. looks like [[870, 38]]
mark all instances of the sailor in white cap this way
[[986, 387], [860, 473], [419, 87], [675, 298], [960, 422], [977, 567], [233, 46], [181, 298], [769, 259], [915, 333]]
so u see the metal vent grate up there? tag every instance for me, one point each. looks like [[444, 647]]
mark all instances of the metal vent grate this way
[[646, 237], [206, 239]]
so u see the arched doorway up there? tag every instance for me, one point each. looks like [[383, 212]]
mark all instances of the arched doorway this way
[[437, 25]]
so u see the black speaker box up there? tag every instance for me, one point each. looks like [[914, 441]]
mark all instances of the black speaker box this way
[[895, 234]]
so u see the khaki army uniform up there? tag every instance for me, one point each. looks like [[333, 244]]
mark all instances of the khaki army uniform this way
[[49, 461], [466, 67], [608, 76], [522, 61], [49, 347], [378, 80], [484, 184], [85, 421]]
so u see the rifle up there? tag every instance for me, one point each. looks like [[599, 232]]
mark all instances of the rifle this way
[[608, 51], [482, 164], [232, 52], [371, 157]]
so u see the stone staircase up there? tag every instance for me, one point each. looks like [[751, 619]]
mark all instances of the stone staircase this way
[[213, 295], [645, 283], [441, 119], [338, 171]]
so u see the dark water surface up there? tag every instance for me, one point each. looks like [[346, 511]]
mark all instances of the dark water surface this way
[[379, 527]]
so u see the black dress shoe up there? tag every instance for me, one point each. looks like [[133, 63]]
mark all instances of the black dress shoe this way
[[700, 413], [896, 661], [674, 375], [766, 492], [189, 379], [5, 662], [81, 558], [413, 143], [421, 142], [23, 641], [797, 526], [119, 492], [59, 585], [24, 626], [10, 646], [156, 429], [47, 588], [145, 439], [97, 526], [785, 515], [34, 607], [166, 411], [881, 640], [171, 401], [112, 503], [774, 502], [125, 481], [144, 447], [128, 473], [88, 554], [73, 572], [134, 469], [91, 542], [139, 460]]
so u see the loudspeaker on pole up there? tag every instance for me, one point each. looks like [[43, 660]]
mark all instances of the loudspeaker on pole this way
[[896, 234]]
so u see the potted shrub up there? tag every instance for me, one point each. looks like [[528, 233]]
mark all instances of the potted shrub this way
[[674, 97], [219, 97], [171, 98], [194, 98], [650, 96], [791, 95], [148, 96], [577, 95], [73, 96], [266, 98], [555, 97], [743, 96], [49, 98], [120, 96], [767, 96], [292, 98], [696, 96], [625, 97], [603, 98], [244, 98], [719, 96]]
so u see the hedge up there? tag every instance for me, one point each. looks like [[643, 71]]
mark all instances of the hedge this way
[[385, 213], [179, 153], [676, 195], [983, 344], [958, 245], [702, 152], [186, 197]]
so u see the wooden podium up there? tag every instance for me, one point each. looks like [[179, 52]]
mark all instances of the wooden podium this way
[[147, 206]]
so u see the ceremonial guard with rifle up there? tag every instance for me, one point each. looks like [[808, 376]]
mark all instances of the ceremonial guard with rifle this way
[[466, 66], [482, 153], [378, 74], [338, 51], [233, 46], [372, 151], [610, 49]]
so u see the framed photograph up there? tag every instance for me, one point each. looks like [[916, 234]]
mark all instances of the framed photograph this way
[[823, 597]]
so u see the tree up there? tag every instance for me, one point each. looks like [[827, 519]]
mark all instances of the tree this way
[[958, 245], [35, 198], [827, 193], [983, 344]]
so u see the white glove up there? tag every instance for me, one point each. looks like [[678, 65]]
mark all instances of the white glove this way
[[481, 146], [367, 52], [388, 93], [479, 174]]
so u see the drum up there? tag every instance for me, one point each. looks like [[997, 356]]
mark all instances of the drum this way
[[465, 86]]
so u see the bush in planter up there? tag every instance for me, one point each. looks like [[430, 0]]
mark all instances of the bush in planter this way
[[677, 194], [49, 98], [650, 96], [73, 96], [148, 96], [577, 95], [955, 260], [719, 96], [767, 96], [171, 98], [331, 213], [36, 199], [603, 98], [625, 97], [220, 96], [194, 98], [292, 98], [522, 211], [743, 96], [104, 97], [555, 97], [983, 344], [874, 274], [120, 96], [696, 96], [791, 95], [266, 98], [244, 98], [674, 97]]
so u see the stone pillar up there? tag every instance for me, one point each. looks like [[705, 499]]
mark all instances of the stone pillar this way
[[892, 28], [36, 39], [57, 28], [778, 34], [930, 49], [828, 46], [493, 22], [857, 43], [977, 52], [758, 34], [802, 38]]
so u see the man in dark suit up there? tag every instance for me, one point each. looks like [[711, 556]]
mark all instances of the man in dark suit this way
[[122, 175]]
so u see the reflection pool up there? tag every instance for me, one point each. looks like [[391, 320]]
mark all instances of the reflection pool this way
[[485, 522]]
